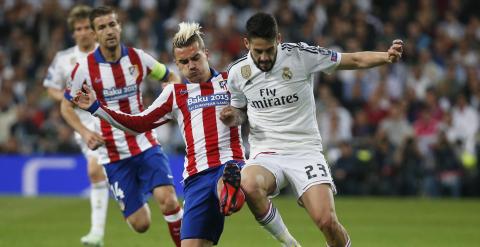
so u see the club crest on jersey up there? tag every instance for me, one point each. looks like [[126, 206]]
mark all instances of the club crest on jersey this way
[[133, 70], [223, 84], [246, 71], [287, 74], [98, 80]]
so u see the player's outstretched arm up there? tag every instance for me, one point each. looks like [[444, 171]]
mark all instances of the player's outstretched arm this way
[[369, 59], [149, 119], [232, 116]]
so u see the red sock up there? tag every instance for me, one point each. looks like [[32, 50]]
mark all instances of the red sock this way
[[174, 221]]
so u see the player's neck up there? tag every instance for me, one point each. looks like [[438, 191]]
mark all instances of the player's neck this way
[[110, 55], [86, 48]]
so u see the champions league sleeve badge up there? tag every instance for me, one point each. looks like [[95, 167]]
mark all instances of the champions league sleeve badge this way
[[287, 74], [246, 71]]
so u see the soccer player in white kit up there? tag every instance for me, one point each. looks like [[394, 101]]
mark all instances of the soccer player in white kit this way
[[82, 122], [273, 84]]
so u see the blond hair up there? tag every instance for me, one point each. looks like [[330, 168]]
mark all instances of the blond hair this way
[[188, 33], [77, 13]]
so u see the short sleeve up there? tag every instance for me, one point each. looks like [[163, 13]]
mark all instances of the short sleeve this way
[[316, 58], [55, 76], [237, 97], [75, 82]]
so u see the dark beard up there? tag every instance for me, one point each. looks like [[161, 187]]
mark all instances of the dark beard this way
[[272, 64]]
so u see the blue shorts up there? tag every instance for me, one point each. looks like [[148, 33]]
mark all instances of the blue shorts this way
[[202, 218], [133, 179]]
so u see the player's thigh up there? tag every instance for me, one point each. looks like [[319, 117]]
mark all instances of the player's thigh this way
[[125, 186], [264, 173], [95, 170], [154, 169], [319, 203], [202, 218], [196, 243], [304, 170]]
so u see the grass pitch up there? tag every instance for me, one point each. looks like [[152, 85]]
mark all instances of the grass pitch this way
[[58, 221]]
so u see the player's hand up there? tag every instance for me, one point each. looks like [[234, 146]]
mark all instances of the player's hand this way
[[84, 98], [93, 139], [230, 116], [395, 51]]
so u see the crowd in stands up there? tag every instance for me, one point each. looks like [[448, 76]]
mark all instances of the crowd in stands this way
[[406, 129]]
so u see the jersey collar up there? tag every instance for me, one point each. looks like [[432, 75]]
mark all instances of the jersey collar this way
[[100, 59], [212, 71]]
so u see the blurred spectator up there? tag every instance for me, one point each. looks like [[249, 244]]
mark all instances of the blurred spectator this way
[[395, 126], [435, 89]]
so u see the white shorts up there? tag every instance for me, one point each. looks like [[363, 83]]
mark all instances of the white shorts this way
[[300, 170], [83, 146]]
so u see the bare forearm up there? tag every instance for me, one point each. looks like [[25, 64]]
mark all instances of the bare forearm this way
[[66, 109], [55, 94], [363, 60]]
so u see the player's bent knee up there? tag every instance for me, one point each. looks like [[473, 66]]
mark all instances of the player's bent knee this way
[[326, 222], [140, 226], [250, 187]]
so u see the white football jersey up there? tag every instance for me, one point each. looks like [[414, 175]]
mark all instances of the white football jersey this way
[[59, 73], [280, 103]]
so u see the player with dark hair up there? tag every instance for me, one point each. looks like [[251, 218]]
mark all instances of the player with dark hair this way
[[273, 86], [135, 165]]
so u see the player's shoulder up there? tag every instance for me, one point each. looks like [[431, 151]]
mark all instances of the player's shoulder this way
[[237, 64], [302, 48], [67, 52]]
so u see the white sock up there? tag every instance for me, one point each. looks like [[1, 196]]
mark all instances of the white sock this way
[[99, 205], [273, 223]]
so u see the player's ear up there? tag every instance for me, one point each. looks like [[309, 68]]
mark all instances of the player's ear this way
[[279, 38], [206, 52], [246, 43]]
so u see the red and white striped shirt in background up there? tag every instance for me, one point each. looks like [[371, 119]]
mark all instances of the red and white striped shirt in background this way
[[196, 107], [117, 85]]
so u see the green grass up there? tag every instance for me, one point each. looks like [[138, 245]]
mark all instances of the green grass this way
[[51, 222]]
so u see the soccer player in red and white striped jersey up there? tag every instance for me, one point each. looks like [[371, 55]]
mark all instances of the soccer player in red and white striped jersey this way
[[214, 153], [135, 164]]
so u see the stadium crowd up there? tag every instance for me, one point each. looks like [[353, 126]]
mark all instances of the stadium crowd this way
[[411, 128]]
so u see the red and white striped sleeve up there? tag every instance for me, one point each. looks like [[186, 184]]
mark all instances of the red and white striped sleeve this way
[[160, 112]]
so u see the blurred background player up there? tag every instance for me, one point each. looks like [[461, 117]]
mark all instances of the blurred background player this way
[[214, 154], [135, 165], [84, 124], [273, 84]]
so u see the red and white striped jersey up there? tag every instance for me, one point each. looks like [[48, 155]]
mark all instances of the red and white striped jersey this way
[[196, 107], [117, 85]]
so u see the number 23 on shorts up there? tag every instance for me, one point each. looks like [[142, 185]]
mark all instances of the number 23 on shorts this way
[[314, 170]]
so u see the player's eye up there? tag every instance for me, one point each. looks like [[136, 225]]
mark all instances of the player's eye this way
[[195, 58], [183, 61]]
